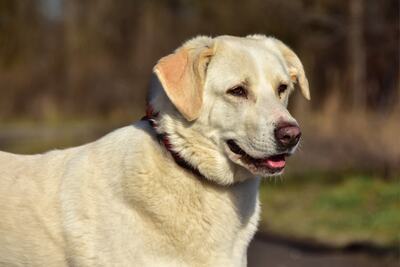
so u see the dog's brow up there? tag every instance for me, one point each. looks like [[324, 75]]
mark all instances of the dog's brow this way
[[246, 82], [284, 80]]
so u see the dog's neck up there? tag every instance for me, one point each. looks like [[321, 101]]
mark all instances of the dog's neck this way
[[151, 117]]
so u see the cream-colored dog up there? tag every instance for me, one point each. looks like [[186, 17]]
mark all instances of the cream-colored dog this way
[[176, 189]]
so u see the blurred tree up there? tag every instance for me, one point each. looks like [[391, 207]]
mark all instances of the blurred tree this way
[[95, 57], [356, 54], [19, 24]]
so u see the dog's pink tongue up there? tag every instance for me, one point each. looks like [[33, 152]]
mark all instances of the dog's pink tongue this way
[[276, 162]]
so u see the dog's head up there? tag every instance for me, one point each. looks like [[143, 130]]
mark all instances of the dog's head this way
[[222, 101]]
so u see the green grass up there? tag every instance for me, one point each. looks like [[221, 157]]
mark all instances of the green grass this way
[[337, 210]]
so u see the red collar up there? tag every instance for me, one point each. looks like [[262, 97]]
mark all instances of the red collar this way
[[163, 139]]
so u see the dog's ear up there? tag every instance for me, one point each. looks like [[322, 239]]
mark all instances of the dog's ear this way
[[182, 75], [296, 69]]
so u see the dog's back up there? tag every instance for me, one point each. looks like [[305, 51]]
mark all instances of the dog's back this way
[[30, 223], [45, 199]]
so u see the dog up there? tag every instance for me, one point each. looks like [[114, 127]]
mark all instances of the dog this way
[[179, 187]]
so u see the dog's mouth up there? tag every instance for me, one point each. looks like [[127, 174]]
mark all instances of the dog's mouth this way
[[272, 164]]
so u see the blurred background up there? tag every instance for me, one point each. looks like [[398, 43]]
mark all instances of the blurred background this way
[[71, 71]]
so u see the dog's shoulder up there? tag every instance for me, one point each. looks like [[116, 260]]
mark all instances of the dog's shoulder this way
[[135, 136]]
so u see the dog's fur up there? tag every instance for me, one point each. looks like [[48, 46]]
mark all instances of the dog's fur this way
[[123, 201]]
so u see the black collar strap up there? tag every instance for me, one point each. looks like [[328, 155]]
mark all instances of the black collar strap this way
[[163, 139]]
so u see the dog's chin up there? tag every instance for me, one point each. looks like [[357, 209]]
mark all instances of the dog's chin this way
[[270, 165]]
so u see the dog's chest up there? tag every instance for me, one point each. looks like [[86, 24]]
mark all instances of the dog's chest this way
[[203, 224]]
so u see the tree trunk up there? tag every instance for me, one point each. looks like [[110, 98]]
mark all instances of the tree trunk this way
[[357, 55]]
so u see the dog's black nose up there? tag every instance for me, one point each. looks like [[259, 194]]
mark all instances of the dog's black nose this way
[[287, 135]]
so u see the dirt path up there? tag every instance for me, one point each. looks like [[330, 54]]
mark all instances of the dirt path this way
[[263, 253]]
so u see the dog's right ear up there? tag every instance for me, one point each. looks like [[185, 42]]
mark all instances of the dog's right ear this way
[[182, 75]]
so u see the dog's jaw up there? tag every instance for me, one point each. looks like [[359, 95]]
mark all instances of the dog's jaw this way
[[268, 166], [203, 154]]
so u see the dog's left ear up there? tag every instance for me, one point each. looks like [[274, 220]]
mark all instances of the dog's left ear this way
[[182, 75], [296, 69]]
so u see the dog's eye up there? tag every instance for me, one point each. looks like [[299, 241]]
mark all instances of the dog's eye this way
[[239, 91], [282, 88]]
